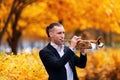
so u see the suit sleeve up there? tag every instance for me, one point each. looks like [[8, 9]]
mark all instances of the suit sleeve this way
[[49, 59], [80, 61]]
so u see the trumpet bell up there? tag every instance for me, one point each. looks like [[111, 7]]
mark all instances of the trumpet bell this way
[[100, 42]]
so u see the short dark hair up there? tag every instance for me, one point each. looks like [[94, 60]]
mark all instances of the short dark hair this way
[[52, 25]]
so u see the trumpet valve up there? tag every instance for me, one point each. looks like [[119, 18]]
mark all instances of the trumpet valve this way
[[84, 44]]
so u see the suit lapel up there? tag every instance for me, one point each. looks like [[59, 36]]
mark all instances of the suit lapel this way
[[53, 50]]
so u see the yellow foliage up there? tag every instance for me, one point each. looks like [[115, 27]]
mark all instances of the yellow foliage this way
[[74, 14], [101, 64], [34, 10], [23, 66]]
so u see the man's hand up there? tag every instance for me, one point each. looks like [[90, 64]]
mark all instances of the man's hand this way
[[74, 42]]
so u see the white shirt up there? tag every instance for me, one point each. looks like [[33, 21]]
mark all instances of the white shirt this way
[[67, 66]]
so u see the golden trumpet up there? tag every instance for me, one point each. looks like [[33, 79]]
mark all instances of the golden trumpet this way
[[86, 44]]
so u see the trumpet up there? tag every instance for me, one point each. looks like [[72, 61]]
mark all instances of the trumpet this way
[[86, 44]]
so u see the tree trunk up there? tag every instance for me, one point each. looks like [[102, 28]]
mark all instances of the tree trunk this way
[[110, 39], [13, 41], [105, 38], [14, 46]]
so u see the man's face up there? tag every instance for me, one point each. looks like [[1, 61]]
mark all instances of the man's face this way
[[57, 35]]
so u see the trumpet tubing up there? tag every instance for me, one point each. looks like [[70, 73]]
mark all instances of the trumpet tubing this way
[[91, 41]]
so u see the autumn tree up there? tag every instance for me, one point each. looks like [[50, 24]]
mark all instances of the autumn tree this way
[[13, 18], [73, 14]]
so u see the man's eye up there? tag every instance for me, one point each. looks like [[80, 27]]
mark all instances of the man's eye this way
[[59, 33]]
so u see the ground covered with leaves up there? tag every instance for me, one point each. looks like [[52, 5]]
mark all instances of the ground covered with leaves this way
[[103, 64]]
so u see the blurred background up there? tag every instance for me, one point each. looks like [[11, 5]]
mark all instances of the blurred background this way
[[23, 23]]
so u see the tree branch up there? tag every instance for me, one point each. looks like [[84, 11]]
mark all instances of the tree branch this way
[[8, 20]]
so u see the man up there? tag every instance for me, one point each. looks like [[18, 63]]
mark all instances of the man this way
[[58, 59]]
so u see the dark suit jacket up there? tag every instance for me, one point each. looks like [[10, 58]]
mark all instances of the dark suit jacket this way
[[55, 65]]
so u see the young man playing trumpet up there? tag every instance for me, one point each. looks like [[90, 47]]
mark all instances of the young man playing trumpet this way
[[58, 59]]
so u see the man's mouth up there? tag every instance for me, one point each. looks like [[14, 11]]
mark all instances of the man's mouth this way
[[62, 40]]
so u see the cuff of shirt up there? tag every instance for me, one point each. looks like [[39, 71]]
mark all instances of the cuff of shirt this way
[[73, 50], [83, 54]]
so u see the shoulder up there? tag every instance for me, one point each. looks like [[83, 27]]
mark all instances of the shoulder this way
[[43, 52], [45, 49]]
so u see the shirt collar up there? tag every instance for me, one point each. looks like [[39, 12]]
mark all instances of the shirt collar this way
[[57, 47]]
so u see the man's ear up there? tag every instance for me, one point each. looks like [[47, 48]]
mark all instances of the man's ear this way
[[51, 34]]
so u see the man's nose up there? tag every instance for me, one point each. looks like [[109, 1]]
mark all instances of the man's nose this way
[[62, 35]]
